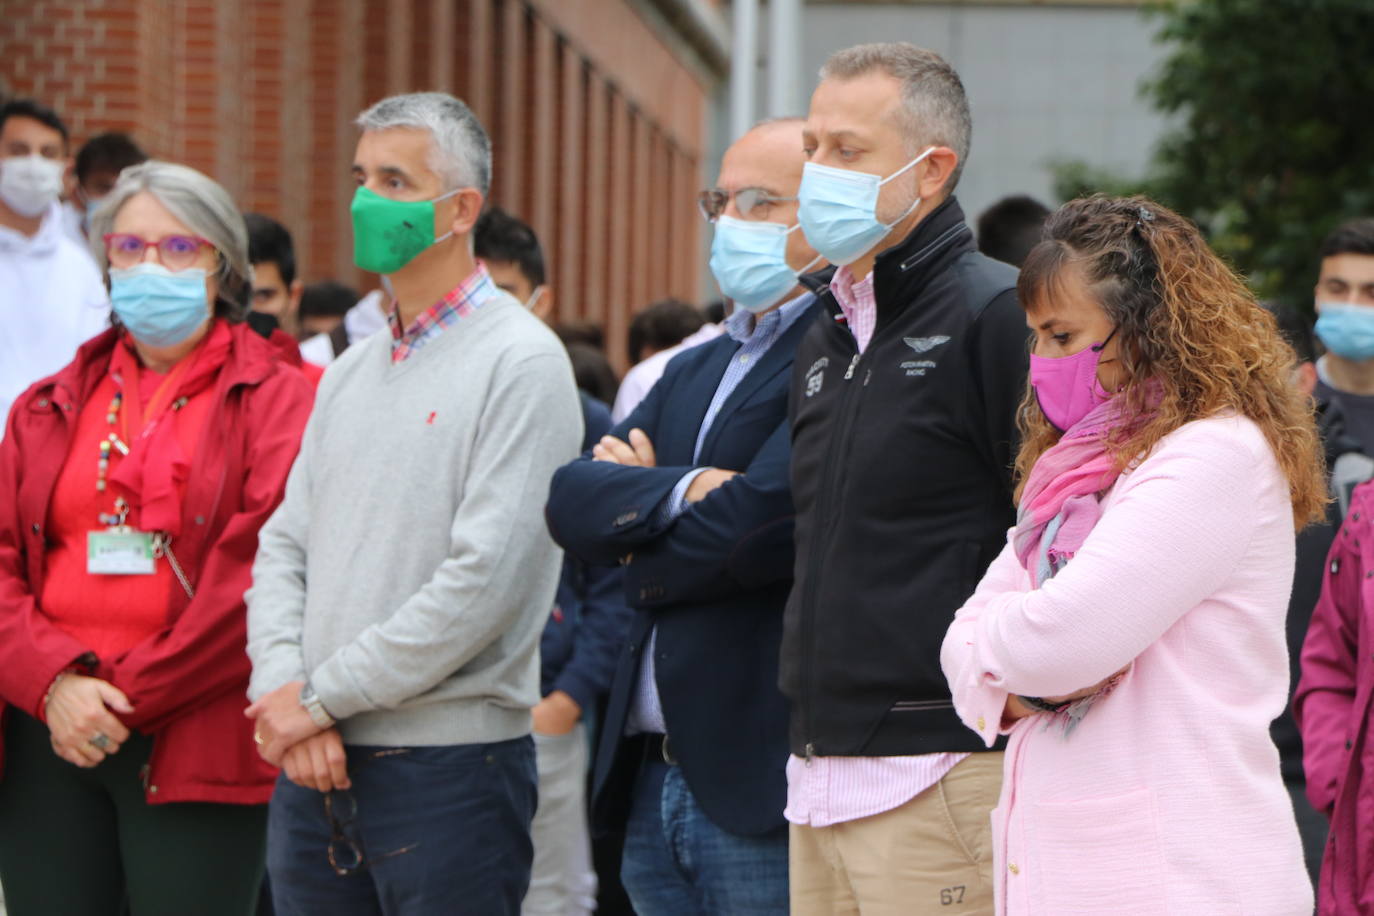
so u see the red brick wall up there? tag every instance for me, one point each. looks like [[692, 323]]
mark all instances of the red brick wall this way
[[598, 130]]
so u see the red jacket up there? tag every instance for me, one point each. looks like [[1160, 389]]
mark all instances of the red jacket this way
[[188, 682], [1333, 708]]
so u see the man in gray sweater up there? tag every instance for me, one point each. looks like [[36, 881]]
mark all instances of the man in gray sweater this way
[[400, 590]]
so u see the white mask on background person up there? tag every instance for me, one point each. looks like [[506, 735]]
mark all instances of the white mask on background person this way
[[29, 184]]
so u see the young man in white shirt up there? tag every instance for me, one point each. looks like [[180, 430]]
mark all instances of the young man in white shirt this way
[[51, 296]]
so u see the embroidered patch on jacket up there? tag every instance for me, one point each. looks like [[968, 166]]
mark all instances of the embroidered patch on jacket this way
[[917, 367], [926, 344], [815, 376]]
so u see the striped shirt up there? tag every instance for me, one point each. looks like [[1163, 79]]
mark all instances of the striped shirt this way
[[461, 301], [831, 790], [857, 303], [754, 336]]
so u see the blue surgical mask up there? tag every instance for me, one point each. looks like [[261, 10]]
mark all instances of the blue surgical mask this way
[[160, 308], [749, 260], [838, 209], [1347, 329]]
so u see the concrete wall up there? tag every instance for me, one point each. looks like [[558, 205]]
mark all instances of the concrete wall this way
[[1045, 81]]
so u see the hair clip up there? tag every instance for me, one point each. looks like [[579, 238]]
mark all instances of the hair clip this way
[[1145, 216]]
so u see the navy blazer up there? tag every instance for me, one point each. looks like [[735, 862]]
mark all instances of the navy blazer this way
[[714, 581]]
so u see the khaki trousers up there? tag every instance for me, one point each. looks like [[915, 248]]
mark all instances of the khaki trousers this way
[[930, 855], [562, 882]]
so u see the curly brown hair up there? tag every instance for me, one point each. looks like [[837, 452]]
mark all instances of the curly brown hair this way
[[1189, 331]]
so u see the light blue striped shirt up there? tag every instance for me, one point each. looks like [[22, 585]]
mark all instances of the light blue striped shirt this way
[[754, 337]]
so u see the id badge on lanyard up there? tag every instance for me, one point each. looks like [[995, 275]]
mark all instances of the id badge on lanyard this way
[[120, 551]]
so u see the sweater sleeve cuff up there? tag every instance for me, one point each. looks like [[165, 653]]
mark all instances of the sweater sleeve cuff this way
[[337, 691], [269, 674]]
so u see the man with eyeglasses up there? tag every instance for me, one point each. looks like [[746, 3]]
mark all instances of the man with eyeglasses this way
[[691, 493], [51, 296]]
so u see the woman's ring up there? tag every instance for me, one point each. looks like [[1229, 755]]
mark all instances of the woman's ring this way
[[257, 739], [101, 741]]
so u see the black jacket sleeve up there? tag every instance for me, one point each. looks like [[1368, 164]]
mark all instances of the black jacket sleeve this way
[[999, 358]]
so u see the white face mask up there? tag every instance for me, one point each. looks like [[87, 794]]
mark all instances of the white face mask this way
[[29, 184]]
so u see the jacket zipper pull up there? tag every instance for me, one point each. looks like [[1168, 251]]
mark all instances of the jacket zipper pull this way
[[849, 373], [809, 752]]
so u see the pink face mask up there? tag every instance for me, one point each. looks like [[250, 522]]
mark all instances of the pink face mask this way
[[1067, 386]]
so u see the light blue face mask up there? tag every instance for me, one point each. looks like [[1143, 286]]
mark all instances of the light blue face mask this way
[[1346, 329], [749, 260], [838, 209], [160, 308]]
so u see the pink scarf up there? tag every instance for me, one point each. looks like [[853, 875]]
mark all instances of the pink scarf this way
[[1060, 503]]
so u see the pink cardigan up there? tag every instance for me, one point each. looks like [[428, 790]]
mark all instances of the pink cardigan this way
[[1167, 796]]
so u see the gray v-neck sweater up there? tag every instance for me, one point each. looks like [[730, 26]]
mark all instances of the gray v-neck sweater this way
[[408, 572]]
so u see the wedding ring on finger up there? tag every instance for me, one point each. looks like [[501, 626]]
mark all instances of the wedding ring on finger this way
[[100, 741], [258, 740]]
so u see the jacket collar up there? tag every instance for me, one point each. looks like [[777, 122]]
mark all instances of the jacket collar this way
[[777, 358], [903, 270], [818, 281], [251, 359]]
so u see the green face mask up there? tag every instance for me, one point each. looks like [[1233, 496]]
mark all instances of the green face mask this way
[[388, 234]]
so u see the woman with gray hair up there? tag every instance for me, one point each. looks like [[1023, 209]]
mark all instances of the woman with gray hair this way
[[132, 486]]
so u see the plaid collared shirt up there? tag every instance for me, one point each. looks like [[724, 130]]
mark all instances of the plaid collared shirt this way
[[460, 302]]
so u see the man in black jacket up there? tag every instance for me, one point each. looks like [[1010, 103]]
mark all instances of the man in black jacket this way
[[903, 402]]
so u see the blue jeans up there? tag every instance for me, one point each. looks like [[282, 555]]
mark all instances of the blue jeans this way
[[678, 862], [424, 830]]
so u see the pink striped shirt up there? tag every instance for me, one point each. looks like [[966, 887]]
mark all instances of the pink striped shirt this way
[[832, 790], [857, 302]]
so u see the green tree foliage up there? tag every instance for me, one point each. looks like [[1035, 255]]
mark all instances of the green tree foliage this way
[[1273, 102]]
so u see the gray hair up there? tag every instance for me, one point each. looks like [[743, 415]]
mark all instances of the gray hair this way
[[461, 152], [203, 205], [934, 106]]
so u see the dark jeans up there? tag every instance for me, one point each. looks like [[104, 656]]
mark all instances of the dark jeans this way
[[678, 862], [78, 842], [440, 830]]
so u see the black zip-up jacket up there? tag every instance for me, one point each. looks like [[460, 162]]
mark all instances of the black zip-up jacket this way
[[902, 481]]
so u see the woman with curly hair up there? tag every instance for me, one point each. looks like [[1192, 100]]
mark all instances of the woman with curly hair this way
[[1130, 638]]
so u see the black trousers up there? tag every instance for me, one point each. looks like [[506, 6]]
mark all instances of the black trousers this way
[[77, 842]]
